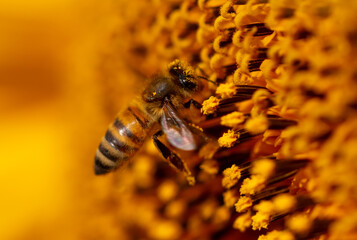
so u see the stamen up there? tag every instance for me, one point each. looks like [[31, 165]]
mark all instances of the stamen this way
[[226, 90], [262, 30], [243, 204], [254, 65], [228, 139], [277, 235], [231, 176], [243, 222], [268, 193]]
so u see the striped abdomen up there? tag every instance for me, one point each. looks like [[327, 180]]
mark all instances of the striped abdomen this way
[[122, 140]]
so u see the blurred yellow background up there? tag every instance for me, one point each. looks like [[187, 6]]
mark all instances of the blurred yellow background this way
[[58, 59]]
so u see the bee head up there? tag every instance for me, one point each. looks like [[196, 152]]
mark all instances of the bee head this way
[[183, 75]]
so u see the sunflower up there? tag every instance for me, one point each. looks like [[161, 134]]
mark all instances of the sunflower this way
[[281, 105]]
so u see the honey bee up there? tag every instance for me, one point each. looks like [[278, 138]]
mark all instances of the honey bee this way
[[156, 108]]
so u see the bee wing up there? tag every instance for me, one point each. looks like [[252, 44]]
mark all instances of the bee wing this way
[[176, 130]]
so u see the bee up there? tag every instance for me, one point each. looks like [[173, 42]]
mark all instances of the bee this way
[[156, 108]]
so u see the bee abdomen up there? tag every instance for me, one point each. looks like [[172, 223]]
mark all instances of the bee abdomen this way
[[111, 155], [122, 140]]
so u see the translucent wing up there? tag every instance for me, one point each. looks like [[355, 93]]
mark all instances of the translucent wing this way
[[176, 130]]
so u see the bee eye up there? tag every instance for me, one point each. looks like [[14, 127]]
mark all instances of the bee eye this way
[[175, 70], [183, 78], [187, 83], [156, 91]]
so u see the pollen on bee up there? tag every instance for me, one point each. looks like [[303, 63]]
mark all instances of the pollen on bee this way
[[195, 126]]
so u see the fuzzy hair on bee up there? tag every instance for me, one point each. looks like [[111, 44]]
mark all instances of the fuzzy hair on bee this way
[[157, 107], [178, 84]]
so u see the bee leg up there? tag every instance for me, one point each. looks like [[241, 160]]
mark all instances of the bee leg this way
[[199, 133], [174, 160], [192, 102]]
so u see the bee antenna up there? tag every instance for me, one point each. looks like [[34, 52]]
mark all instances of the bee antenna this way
[[205, 78]]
